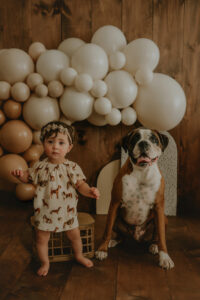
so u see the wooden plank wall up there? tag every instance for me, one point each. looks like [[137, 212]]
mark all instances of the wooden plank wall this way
[[172, 24]]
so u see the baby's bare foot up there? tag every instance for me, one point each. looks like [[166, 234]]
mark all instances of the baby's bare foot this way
[[85, 261], [43, 270]]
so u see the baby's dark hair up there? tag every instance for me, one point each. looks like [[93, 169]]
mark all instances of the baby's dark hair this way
[[55, 127]]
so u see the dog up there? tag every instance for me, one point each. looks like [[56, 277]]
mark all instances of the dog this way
[[137, 203]]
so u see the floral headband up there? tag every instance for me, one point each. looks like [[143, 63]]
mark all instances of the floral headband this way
[[54, 127]]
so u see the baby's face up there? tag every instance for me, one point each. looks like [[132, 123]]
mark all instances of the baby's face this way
[[56, 147]]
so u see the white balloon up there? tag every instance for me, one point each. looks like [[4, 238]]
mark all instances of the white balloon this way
[[83, 82], [36, 49], [67, 76], [50, 64], [117, 60], [143, 75], [39, 111], [129, 116], [161, 104], [99, 88], [103, 106], [15, 65], [41, 90], [96, 119], [110, 38], [139, 53], [33, 80], [122, 89], [90, 59], [20, 91], [75, 105], [114, 117], [70, 45], [55, 89]]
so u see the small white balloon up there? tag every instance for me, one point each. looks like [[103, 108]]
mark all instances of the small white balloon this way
[[70, 45], [67, 76], [129, 116], [143, 76], [50, 63], [36, 49], [55, 89], [114, 117], [141, 53], [117, 60], [99, 88], [4, 90], [33, 80], [96, 119], [110, 38], [90, 59], [75, 105], [20, 91], [41, 90], [161, 104], [83, 82], [102, 106], [122, 89]]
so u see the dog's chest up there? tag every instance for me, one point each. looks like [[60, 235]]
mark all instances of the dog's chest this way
[[139, 189]]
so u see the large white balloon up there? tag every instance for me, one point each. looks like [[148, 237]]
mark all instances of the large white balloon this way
[[75, 105], [122, 89], [15, 65], [110, 38], [161, 104], [70, 45], [141, 53], [90, 59], [50, 64], [39, 111]]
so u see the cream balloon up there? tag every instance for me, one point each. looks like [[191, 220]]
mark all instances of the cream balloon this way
[[90, 59], [4, 90], [110, 38], [96, 119], [117, 60], [102, 106], [75, 105], [99, 88], [161, 104], [16, 136], [41, 90], [39, 111], [25, 191], [55, 88], [141, 52], [36, 137], [20, 91], [15, 65], [50, 64], [122, 89], [83, 82], [129, 116], [10, 162], [33, 80], [114, 117], [36, 49], [68, 75], [70, 45], [12, 109], [143, 75]]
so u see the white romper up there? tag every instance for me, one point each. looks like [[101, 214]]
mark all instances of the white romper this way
[[55, 200]]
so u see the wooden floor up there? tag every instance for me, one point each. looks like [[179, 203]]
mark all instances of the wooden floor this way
[[129, 273]]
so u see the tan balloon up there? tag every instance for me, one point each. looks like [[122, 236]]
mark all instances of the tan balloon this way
[[12, 109], [55, 89], [4, 90], [33, 153], [16, 136], [33, 80], [41, 90], [20, 91], [36, 49], [2, 117], [10, 162], [25, 191]]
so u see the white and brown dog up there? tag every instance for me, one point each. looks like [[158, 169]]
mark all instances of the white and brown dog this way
[[137, 204]]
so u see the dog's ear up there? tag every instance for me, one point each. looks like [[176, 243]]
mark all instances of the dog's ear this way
[[164, 140]]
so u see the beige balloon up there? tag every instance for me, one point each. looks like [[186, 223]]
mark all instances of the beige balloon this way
[[33, 80], [12, 109], [4, 90], [55, 89], [41, 90], [15, 136], [33, 153], [2, 117], [10, 162], [25, 191], [20, 91], [36, 49]]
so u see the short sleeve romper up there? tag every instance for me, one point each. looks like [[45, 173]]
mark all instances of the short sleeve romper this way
[[55, 200]]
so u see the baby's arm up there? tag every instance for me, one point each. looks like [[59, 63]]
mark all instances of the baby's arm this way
[[86, 190], [21, 175]]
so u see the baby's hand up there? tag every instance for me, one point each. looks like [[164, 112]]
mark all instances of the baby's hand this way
[[94, 193], [17, 173]]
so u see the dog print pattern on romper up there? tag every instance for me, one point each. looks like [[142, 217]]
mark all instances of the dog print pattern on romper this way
[[55, 200]]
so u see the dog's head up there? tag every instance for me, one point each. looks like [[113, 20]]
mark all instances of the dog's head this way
[[144, 146]]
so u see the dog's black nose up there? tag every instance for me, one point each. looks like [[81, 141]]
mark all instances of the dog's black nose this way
[[143, 145]]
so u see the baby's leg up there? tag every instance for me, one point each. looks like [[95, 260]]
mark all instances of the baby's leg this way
[[42, 238], [75, 238]]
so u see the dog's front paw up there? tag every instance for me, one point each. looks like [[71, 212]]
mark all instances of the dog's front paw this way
[[165, 261], [101, 255], [153, 249]]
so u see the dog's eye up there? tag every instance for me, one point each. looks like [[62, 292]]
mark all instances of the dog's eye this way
[[154, 139]]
